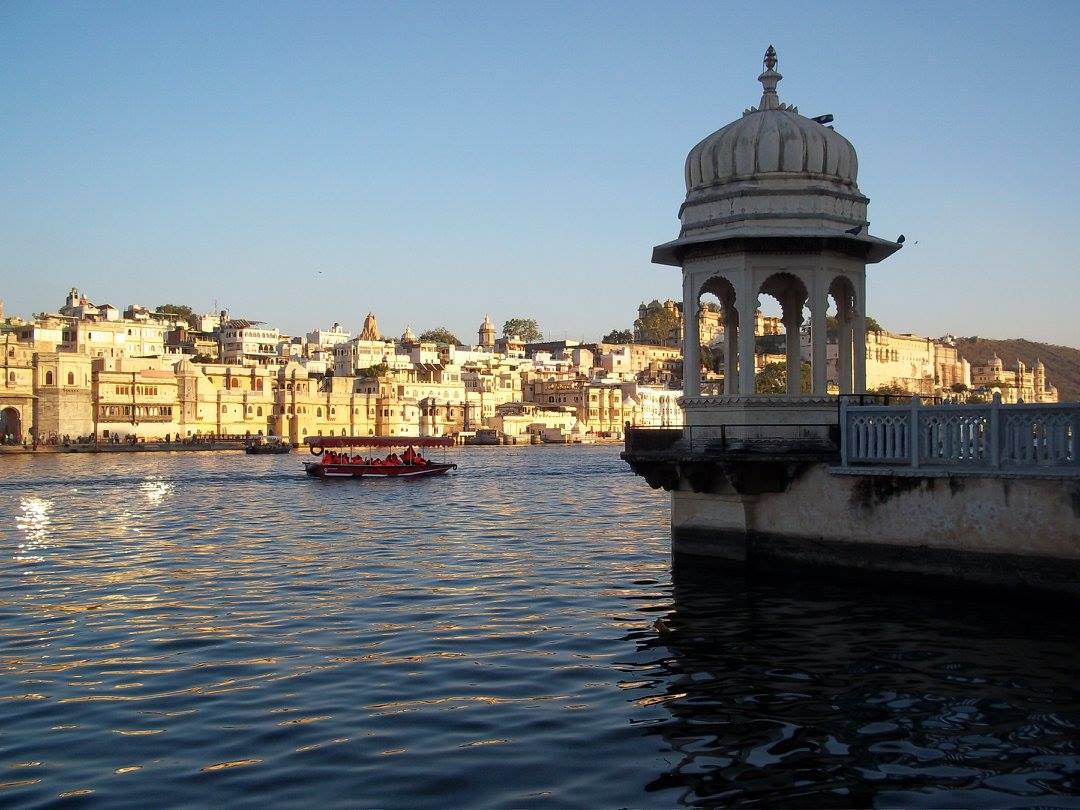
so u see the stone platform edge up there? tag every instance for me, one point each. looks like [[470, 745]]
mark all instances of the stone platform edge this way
[[922, 566]]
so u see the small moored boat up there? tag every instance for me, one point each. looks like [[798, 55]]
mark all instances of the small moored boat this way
[[267, 446], [337, 459]]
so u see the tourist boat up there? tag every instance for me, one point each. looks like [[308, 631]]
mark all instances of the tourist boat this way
[[336, 462], [267, 446]]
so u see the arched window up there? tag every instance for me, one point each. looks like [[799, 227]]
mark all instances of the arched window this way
[[304, 431], [71, 378], [48, 378], [234, 383], [258, 411], [224, 408], [259, 384], [318, 412]]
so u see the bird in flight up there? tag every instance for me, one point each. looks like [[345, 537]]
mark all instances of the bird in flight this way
[[900, 239]]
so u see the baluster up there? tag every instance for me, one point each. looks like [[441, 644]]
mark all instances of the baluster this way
[[1076, 436], [995, 431], [913, 431]]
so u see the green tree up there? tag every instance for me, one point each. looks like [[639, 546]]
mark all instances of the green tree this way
[[772, 379], [618, 336], [182, 311], [440, 335], [203, 359], [378, 370], [708, 358], [832, 325], [660, 326], [525, 328]]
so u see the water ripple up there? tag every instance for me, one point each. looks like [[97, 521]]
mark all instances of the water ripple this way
[[187, 629]]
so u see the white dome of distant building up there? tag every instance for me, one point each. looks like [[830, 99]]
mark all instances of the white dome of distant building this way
[[408, 336], [184, 366]]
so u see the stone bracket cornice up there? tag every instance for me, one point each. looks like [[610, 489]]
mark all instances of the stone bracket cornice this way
[[704, 197], [730, 219]]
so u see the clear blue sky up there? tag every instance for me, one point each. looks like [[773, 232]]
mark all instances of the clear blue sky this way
[[304, 163]]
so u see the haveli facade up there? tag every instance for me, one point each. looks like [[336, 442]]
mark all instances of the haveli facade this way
[[1014, 384], [81, 373]]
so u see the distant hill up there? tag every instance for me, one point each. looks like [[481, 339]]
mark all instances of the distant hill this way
[[1062, 362]]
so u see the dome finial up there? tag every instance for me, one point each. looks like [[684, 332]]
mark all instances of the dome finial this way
[[769, 78], [770, 58]]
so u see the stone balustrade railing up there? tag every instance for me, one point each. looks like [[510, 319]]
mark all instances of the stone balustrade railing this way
[[979, 437]]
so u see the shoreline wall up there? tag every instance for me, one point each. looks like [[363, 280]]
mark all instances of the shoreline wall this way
[[1012, 531]]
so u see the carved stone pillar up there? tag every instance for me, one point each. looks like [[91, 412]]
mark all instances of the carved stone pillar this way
[[691, 341], [731, 350], [859, 348], [843, 365], [818, 309], [792, 322], [747, 309]]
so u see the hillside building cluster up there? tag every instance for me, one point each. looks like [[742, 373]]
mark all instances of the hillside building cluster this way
[[94, 371]]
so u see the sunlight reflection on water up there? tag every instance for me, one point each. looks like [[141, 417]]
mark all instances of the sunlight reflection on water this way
[[184, 630]]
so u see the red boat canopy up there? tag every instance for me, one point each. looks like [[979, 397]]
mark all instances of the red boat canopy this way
[[379, 441]]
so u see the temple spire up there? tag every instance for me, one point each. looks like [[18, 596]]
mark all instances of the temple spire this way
[[769, 78]]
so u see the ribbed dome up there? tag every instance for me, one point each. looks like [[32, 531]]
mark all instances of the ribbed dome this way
[[771, 139]]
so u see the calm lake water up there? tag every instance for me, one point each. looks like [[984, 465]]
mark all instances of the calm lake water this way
[[195, 629]]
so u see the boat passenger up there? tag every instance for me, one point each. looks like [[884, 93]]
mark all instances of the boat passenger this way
[[409, 456]]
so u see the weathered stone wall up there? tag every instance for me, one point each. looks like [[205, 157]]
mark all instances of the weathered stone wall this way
[[1012, 531]]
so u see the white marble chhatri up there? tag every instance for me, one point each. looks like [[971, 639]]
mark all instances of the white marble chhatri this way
[[773, 207]]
